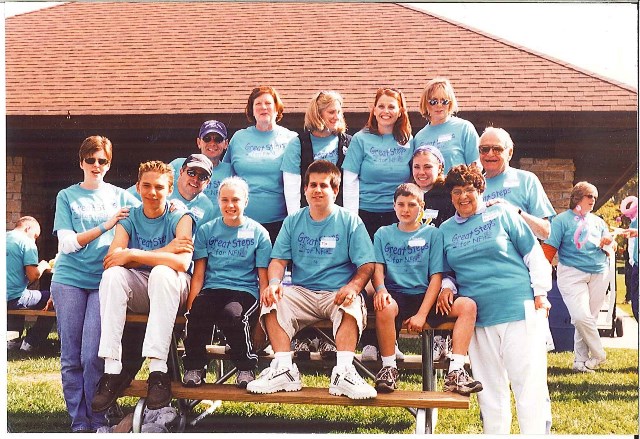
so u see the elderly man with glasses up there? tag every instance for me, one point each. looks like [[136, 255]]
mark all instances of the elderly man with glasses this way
[[520, 189]]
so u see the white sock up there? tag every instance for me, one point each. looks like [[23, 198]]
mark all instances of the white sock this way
[[284, 359], [457, 362], [389, 361], [112, 366], [344, 358], [158, 365]]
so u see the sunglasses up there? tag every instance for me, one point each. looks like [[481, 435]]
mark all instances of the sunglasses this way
[[216, 138], [434, 102], [201, 177], [92, 160], [591, 197], [495, 149]]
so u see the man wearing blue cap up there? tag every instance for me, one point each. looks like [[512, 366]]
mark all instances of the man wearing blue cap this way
[[212, 141]]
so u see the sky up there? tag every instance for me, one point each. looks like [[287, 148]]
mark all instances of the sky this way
[[599, 37]]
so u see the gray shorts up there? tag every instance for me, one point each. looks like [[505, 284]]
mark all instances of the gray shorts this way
[[300, 307]]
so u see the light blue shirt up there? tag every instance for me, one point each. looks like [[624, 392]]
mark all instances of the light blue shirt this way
[[220, 172], [201, 207], [233, 254], [522, 189], [590, 258], [457, 140], [324, 148], [256, 156], [486, 253], [410, 258], [79, 210], [152, 233], [381, 164], [325, 254], [21, 251]]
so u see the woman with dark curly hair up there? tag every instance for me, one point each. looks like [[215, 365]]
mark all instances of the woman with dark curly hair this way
[[500, 265]]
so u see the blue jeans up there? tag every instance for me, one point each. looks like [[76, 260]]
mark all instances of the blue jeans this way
[[78, 317]]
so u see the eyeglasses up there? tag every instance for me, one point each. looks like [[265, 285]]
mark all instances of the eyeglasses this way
[[496, 149], [434, 102], [201, 177], [468, 191], [216, 138], [92, 160], [591, 197]]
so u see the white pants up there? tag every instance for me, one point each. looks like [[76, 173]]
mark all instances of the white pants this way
[[515, 353], [584, 293], [159, 294]]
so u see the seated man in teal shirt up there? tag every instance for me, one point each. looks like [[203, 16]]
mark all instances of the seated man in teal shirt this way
[[193, 177], [23, 269], [332, 260], [145, 272]]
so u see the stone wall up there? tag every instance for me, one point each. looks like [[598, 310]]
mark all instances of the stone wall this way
[[14, 191], [556, 176]]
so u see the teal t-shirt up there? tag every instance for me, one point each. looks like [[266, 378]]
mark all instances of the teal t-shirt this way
[[201, 207], [410, 258], [522, 189], [152, 233], [256, 156], [324, 148], [79, 210], [325, 254], [457, 140], [21, 251], [486, 253], [381, 164], [233, 254], [590, 258], [220, 172]]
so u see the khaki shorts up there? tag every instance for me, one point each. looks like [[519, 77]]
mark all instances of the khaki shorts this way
[[300, 307]]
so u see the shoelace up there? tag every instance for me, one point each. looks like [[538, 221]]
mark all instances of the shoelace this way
[[353, 375]]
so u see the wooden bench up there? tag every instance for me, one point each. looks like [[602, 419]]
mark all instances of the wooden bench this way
[[423, 404]]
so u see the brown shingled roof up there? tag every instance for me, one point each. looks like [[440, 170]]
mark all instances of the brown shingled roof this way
[[204, 57]]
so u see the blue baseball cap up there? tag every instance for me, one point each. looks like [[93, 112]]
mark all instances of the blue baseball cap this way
[[213, 126]]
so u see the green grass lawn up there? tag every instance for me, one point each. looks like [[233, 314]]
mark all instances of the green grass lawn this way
[[601, 403]]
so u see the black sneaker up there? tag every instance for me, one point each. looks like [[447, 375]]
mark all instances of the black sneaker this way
[[159, 390], [301, 350], [459, 381], [110, 387], [387, 379], [327, 350]]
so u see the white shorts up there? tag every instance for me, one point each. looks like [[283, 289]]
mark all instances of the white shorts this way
[[300, 307]]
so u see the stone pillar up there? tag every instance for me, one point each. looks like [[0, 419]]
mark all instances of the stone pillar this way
[[14, 191], [556, 176]]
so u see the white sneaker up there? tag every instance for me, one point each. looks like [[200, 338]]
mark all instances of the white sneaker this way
[[25, 347], [594, 363], [369, 353], [580, 367], [399, 353], [346, 381], [274, 379]]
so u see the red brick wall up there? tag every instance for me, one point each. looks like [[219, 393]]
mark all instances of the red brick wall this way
[[556, 176]]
